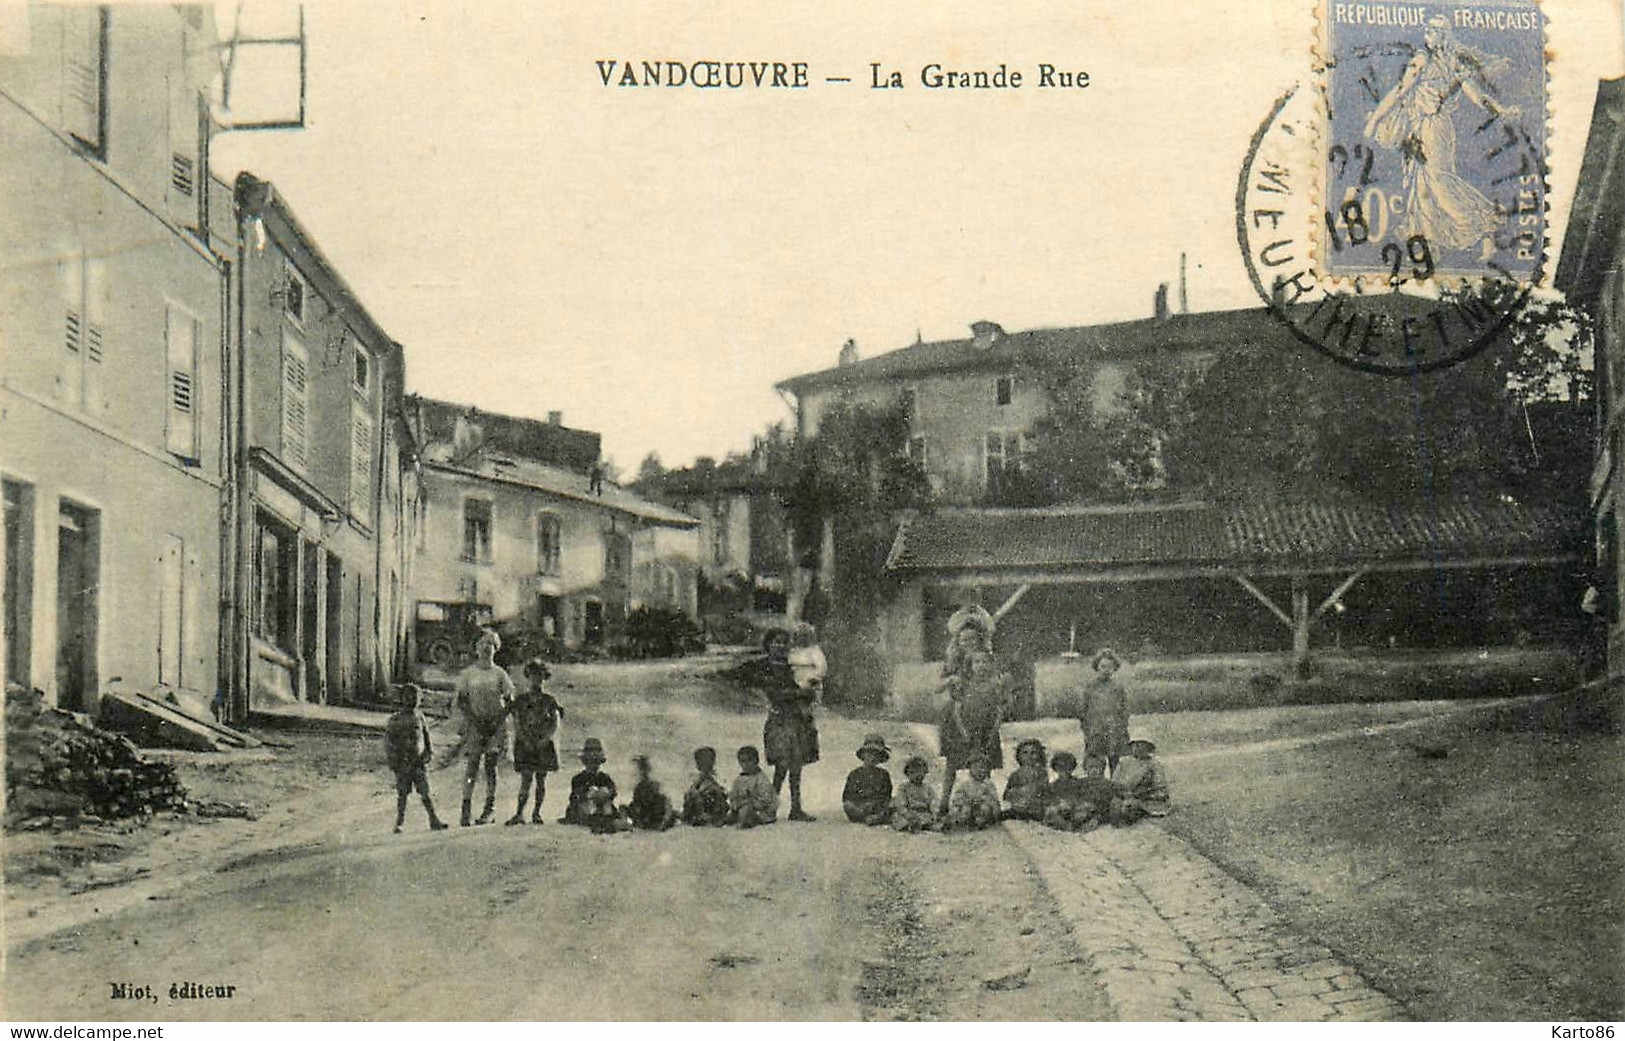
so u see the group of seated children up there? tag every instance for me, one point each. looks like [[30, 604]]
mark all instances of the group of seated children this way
[[752, 801], [1068, 803]]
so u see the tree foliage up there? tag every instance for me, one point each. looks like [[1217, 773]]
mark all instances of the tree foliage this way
[[1515, 419]]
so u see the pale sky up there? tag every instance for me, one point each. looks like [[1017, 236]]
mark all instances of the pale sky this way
[[652, 260]]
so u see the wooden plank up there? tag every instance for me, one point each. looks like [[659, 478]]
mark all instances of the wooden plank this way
[[1264, 599], [1337, 594], [1015, 598]]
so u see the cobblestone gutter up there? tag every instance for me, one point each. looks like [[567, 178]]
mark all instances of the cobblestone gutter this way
[[1173, 937]]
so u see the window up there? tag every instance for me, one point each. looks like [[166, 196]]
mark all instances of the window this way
[[293, 296], [180, 349], [1003, 390], [719, 535], [295, 402], [547, 544], [477, 530], [84, 341], [84, 76], [1002, 458], [361, 463], [915, 450], [363, 370]]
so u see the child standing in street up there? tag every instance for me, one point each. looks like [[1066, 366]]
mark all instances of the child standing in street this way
[[1028, 787], [752, 802], [408, 750], [484, 693], [535, 720], [650, 809], [912, 807], [705, 804], [976, 803], [592, 792], [867, 796], [970, 727]]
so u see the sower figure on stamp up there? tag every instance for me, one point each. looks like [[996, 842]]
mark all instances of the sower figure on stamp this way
[[484, 696], [1417, 117], [1104, 718], [790, 736]]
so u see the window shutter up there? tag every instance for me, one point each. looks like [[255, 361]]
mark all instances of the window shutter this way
[[180, 432], [72, 382], [360, 463], [82, 73], [295, 402], [95, 322]]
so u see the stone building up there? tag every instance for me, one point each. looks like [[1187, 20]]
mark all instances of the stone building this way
[[540, 544], [328, 473], [114, 259]]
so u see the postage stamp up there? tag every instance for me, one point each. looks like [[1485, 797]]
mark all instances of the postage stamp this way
[[1436, 118]]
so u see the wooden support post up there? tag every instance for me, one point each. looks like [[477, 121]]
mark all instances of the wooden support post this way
[[1015, 598], [1300, 627], [1337, 594], [1264, 599]]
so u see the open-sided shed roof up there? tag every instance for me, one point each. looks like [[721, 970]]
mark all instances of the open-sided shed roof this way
[[1127, 543]]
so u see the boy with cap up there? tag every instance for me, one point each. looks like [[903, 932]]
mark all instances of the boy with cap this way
[[913, 808], [408, 749], [1143, 781], [867, 795], [752, 802], [592, 791], [705, 804]]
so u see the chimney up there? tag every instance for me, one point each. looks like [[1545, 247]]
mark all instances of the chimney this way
[[555, 418], [986, 333], [1159, 302], [466, 435], [849, 353], [1184, 298]]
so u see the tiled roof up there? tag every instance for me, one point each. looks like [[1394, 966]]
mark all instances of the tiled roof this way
[[1207, 330], [1190, 536], [436, 421], [564, 484]]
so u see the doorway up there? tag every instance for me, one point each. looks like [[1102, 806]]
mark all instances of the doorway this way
[[593, 623], [77, 586], [18, 596], [310, 617]]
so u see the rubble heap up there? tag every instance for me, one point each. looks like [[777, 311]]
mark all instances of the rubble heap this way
[[61, 764]]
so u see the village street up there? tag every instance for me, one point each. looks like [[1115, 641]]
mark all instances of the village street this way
[[317, 911]]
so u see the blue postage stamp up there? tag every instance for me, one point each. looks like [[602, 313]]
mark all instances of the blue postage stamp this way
[[1436, 140]]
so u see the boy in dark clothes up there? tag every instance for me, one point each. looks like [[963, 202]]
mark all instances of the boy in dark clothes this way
[[650, 809], [408, 749], [706, 802], [867, 796], [592, 792]]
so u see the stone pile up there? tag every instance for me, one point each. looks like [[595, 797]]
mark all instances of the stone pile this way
[[60, 764]]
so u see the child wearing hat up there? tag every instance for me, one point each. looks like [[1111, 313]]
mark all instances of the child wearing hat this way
[[1105, 711], [705, 804], [536, 718], [1143, 781], [912, 808], [867, 795], [408, 749], [1028, 788], [649, 810], [592, 791], [752, 802], [976, 803]]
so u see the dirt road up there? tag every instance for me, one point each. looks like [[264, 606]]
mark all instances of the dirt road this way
[[339, 919]]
